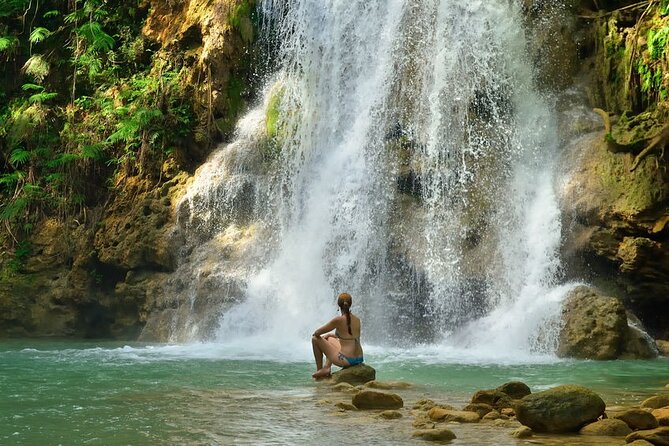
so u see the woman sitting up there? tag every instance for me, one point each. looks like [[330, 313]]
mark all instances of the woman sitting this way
[[341, 348]]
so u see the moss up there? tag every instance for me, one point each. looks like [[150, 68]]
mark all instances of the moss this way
[[240, 19]]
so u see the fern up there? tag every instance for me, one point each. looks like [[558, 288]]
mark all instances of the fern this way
[[50, 14], [19, 157], [93, 151], [95, 37], [10, 179], [38, 34], [13, 209], [8, 44], [41, 97], [34, 87], [36, 67]]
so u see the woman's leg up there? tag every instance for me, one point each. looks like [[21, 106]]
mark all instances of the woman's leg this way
[[330, 348]]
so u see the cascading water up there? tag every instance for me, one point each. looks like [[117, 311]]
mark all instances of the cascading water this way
[[401, 154]]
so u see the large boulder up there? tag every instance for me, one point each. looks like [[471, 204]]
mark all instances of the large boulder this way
[[503, 396], [372, 399], [617, 222], [560, 409], [596, 327], [357, 374]]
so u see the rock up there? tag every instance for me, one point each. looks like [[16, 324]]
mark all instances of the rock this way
[[640, 443], [344, 387], [434, 434], [595, 327], [493, 415], [560, 409], [424, 404], [358, 374], [662, 416], [423, 422], [391, 414], [609, 427], [460, 416], [515, 389], [658, 436], [388, 385], [346, 406], [655, 402], [508, 411], [662, 346], [637, 419], [373, 399], [480, 408], [522, 432]]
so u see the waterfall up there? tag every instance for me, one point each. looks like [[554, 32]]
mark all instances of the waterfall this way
[[402, 154]]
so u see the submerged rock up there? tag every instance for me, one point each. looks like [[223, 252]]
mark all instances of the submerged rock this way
[[658, 436], [637, 419], [596, 327], [609, 427], [655, 402], [522, 432], [662, 416], [391, 414], [560, 409], [480, 408], [372, 399], [434, 434], [460, 416], [357, 374]]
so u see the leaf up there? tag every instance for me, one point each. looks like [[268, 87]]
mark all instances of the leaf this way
[[94, 35], [19, 157], [10, 179], [39, 34], [41, 97], [8, 43], [52, 13], [93, 151], [35, 87], [13, 209]]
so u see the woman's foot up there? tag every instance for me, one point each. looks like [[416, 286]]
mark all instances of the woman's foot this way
[[322, 373]]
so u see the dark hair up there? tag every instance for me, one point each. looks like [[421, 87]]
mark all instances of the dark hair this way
[[344, 301]]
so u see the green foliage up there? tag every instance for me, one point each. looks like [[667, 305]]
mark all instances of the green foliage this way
[[86, 104], [657, 42]]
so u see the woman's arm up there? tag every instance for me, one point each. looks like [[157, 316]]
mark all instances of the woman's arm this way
[[325, 328]]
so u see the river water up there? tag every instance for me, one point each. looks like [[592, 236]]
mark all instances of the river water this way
[[105, 393]]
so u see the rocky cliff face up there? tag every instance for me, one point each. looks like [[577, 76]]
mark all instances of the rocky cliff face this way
[[100, 278], [111, 275]]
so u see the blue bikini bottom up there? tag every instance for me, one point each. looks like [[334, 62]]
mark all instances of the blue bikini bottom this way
[[351, 361]]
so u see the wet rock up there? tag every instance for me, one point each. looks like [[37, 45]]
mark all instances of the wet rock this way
[[609, 427], [372, 399], [460, 416], [595, 327], [637, 419], [515, 389], [662, 416], [640, 443], [434, 434], [522, 432], [658, 436], [480, 408], [655, 402], [423, 422], [424, 404], [560, 409], [345, 406], [662, 346], [358, 374], [391, 414], [388, 385], [344, 387], [508, 411], [493, 415]]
